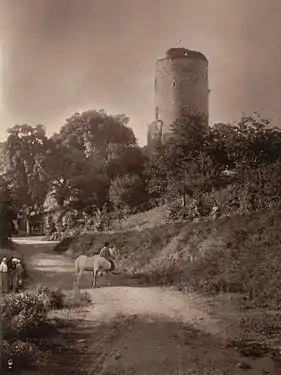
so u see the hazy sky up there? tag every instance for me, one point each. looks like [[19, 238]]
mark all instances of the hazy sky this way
[[61, 56]]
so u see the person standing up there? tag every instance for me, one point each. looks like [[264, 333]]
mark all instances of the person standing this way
[[4, 275], [16, 274], [106, 253]]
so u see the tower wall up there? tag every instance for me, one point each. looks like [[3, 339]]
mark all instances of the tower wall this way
[[181, 83]]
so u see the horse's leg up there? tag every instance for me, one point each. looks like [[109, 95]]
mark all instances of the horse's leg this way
[[94, 281], [79, 275]]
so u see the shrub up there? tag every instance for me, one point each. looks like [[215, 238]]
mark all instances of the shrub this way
[[77, 299], [21, 354], [25, 320], [23, 313], [53, 297]]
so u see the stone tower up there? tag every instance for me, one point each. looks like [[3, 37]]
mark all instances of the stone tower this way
[[181, 83]]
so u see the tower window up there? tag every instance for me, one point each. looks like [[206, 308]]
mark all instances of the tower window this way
[[174, 84], [156, 113]]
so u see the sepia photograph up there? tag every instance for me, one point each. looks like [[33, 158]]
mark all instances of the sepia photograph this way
[[140, 187]]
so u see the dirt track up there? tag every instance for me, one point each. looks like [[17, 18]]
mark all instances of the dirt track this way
[[133, 329]]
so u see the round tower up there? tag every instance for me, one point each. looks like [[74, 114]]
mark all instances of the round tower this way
[[181, 83]]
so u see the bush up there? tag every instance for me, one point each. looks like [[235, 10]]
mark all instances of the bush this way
[[77, 299], [20, 354], [53, 297], [25, 319], [23, 313]]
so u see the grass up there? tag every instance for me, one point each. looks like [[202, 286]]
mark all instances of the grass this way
[[76, 299], [143, 220]]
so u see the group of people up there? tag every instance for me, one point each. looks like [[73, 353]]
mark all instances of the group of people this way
[[11, 269]]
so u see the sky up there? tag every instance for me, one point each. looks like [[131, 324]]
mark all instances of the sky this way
[[62, 56]]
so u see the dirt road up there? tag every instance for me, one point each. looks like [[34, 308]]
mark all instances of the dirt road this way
[[133, 329]]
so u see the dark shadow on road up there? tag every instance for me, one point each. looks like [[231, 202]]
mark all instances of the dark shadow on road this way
[[144, 345]]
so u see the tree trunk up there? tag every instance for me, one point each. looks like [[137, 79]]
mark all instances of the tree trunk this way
[[27, 227]]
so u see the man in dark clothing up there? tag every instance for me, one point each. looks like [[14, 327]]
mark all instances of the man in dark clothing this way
[[7, 216]]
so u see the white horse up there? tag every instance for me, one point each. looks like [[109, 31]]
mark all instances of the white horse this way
[[95, 264]]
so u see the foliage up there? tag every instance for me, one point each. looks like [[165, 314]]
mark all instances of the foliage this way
[[23, 313], [90, 151], [184, 166], [21, 353], [26, 150], [76, 181], [232, 254], [54, 297], [128, 192], [192, 162], [76, 299], [25, 319], [249, 143]]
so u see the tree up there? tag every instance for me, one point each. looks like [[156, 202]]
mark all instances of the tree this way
[[91, 149], [249, 143], [26, 150], [97, 134], [131, 159], [183, 165], [127, 192]]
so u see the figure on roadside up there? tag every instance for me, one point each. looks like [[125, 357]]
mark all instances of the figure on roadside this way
[[4, 275], [107, 252], [16, 274], [12, 272]]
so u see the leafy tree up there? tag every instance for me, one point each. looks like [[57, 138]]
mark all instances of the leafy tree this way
[[249, 143], [183, 166], [91, 149], [97, 134], [131, 159], [128, 192], [26, 150]]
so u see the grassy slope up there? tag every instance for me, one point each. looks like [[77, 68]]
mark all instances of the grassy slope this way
[[143, 220], [238, 254]]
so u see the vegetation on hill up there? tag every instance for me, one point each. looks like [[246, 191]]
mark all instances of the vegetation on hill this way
[[232, 254], [96, 183], [92, 173]]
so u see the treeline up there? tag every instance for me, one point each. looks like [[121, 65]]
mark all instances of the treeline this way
[[93, 171], [233, 166], [76, 171]]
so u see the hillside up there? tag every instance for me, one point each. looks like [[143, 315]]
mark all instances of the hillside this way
[[142, 220], [233, 254]]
